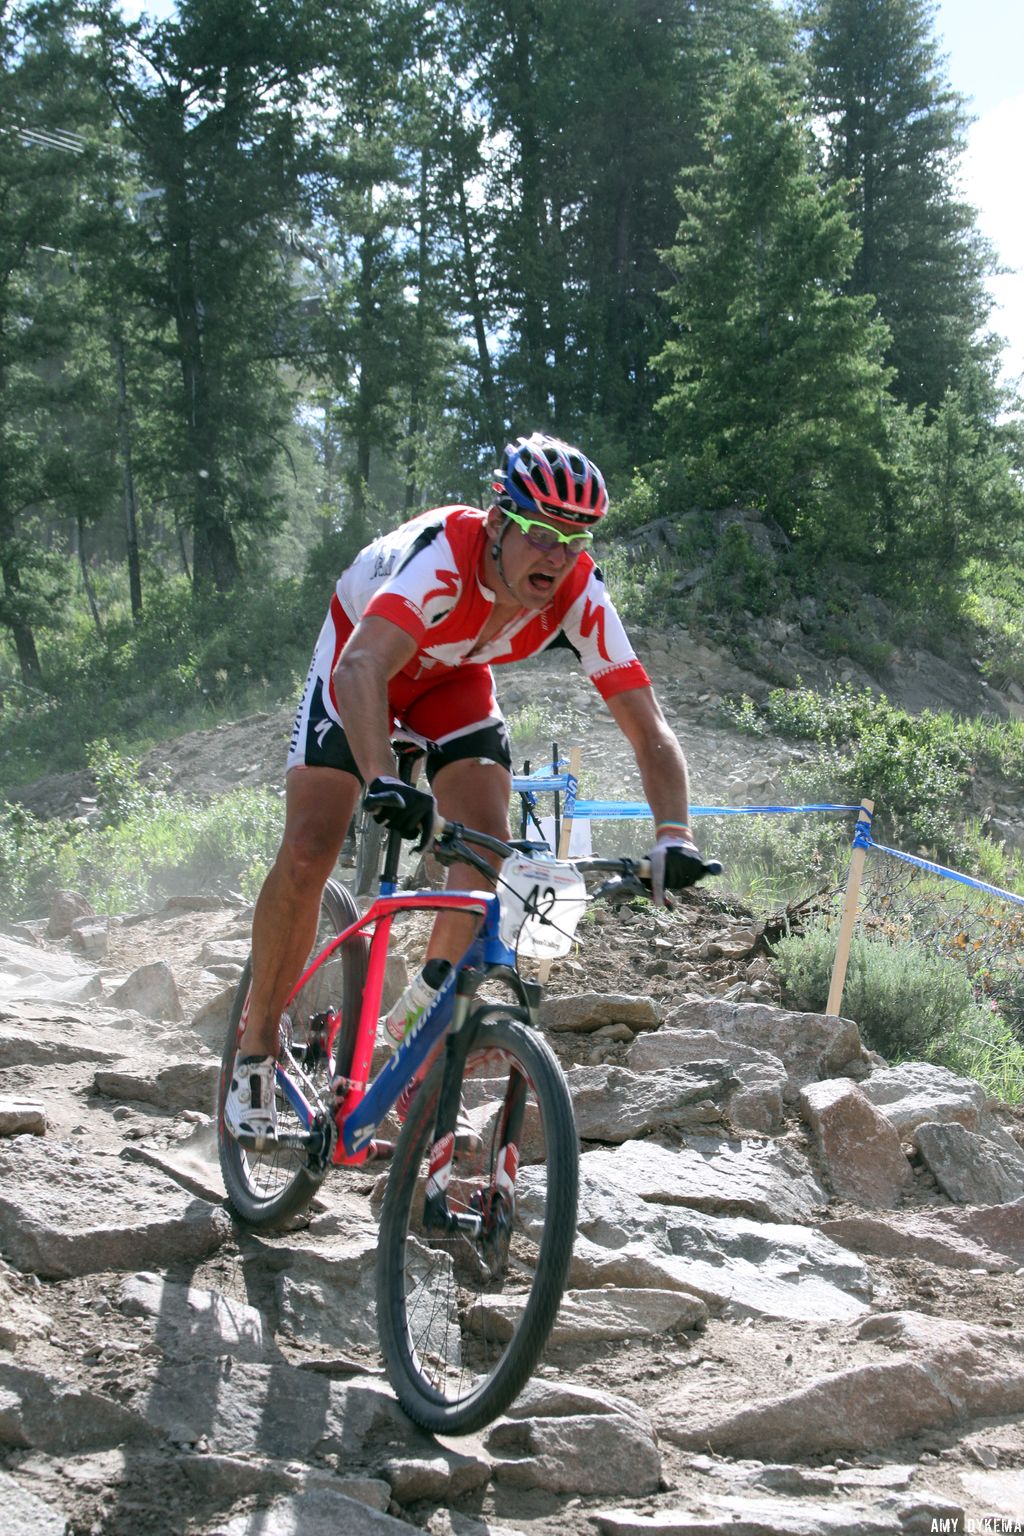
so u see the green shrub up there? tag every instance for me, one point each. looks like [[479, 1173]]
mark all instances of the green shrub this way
[[119, 793], [770, 860], [173, 846], [915, 768], [904, 998], [156, 846], [740, 578], [984, 1045], [30, 860], [994, 605], [641, 504], [644, 592], [187, 660]]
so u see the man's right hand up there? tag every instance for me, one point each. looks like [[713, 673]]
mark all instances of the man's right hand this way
[[409, 812]]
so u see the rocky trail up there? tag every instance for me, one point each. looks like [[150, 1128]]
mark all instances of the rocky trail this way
[[796, 1289]]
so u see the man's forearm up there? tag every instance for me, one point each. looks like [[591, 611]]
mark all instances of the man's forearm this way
[[361, 685], [663, 774], [376, 650], [659, 757]]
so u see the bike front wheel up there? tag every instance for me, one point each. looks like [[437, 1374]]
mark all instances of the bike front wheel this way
[[464, 1314], [267, 1188]]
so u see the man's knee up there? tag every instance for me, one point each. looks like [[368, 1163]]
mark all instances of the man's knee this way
[[308, 853], [475, 792]]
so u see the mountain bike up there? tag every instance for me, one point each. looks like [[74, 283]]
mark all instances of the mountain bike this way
[[476, 1231]]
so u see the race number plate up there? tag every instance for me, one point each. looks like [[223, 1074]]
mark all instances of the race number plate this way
[[542, 901]]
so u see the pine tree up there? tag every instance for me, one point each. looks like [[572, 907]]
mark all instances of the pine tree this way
[[385, 334], [212, 109], [44, 366], [593, 108], [777, 379], [895, 133]]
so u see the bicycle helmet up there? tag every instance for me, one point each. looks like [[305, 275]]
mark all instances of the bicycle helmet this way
[[542, 474]]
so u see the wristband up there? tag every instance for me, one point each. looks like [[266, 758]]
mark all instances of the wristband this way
[[679, 828]]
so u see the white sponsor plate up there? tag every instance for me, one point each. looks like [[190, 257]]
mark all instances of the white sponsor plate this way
[[542, 901]]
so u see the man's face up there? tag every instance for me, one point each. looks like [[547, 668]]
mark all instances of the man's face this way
[[532, 575]]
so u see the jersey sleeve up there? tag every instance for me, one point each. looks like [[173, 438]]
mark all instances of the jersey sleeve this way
[[596, 632], [422, 590]]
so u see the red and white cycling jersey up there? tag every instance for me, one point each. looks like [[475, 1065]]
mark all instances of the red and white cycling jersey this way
[[425, 577]]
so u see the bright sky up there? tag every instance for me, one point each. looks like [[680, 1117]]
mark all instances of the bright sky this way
[[984, 41], [984, 44]]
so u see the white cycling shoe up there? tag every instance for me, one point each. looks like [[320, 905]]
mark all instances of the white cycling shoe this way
[[250, 1107]]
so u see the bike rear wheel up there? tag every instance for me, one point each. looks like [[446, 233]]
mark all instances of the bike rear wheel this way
[[369, 851], [267, 1188], [463, 1319]]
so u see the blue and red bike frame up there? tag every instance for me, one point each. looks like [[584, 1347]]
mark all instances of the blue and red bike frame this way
[[362, 1104]]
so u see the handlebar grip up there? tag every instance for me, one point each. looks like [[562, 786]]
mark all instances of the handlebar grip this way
[[708, 867], [384, 798]]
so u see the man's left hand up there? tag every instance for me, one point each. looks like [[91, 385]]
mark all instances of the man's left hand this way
[[675, 863]]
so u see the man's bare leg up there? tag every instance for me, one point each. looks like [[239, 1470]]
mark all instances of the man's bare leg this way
[[320, 804], [477, 794]]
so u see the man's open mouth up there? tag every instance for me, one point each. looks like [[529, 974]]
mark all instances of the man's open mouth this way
[[540, 582]]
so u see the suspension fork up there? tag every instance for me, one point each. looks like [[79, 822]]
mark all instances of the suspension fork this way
[[507, 1134], [458, 1040]]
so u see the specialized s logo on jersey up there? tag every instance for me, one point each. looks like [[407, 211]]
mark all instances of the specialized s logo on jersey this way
[[449, 587], [593, 618]]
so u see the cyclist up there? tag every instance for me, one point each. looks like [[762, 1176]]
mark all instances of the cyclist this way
[[414, 626]]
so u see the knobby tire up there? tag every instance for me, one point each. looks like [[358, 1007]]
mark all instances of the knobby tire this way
[[461, 1329], [369, 849], [267, 1189]]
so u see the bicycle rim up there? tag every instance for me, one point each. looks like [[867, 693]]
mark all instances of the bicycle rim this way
[[265, 1188], [463, 1319]]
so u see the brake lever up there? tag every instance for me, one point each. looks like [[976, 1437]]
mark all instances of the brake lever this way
[[619, 889]]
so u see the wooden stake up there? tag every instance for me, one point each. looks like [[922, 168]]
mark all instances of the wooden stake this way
[[846, 926]]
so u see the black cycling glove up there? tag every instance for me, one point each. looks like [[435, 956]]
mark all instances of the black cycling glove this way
[[675, 864], [409, 812]]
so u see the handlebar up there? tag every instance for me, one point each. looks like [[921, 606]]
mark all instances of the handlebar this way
[[631, 877]]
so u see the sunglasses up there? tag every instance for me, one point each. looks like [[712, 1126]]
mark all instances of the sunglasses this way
[[544, 539]]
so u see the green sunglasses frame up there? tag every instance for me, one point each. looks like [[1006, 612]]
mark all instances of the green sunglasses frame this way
[[574, 542]]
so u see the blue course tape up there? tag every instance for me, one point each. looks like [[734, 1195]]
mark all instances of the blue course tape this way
[[949, 874], [608, 810], [862, 831], [542, 785]]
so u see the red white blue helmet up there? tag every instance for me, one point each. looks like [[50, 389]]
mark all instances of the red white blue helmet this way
[[542, 474]]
